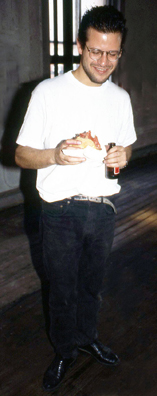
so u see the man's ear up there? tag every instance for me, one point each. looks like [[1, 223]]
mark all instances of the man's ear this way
[[79, 47]]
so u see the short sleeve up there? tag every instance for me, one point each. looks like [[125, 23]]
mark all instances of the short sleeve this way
[[32, 131]]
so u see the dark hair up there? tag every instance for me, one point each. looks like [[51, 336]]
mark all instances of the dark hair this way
[[106, 19]]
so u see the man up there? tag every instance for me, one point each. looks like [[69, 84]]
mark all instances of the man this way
[[78, 209]]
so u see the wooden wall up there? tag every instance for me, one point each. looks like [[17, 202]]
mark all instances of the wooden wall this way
[[24, 61], [138, 67]]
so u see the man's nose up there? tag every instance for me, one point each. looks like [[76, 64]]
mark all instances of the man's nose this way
[[104, 59]]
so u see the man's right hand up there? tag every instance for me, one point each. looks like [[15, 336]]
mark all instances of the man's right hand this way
[[61, 158]]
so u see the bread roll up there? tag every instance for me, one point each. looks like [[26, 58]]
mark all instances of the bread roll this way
[[87, 140]]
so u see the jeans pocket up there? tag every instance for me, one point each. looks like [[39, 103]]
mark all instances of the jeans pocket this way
[[55, 209]]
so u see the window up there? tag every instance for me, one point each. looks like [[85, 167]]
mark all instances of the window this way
[[64, 19]]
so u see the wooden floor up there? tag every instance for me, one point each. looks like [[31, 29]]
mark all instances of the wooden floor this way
[[128, 313]]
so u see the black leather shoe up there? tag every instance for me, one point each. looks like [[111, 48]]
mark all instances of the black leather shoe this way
[[101, 353], [56, 372]]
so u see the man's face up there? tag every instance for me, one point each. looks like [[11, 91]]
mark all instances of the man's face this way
[[96, 72]]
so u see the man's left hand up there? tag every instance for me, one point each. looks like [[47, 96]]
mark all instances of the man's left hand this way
[[117, 156]]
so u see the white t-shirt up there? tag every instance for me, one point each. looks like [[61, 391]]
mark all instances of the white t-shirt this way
[[59, 109]]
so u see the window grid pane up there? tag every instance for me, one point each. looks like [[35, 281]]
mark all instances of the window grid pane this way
[[60, 49], [60, 68], [60, 46], [52, 48], [52, 70], [75, 66], [87, 4], [51, 21]]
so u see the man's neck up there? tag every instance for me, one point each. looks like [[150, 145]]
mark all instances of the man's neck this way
[[81, 76]]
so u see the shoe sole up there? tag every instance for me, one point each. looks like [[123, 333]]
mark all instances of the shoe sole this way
[[53, 390], [103, 363]]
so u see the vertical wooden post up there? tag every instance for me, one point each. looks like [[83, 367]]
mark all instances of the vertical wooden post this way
[[68, 34]]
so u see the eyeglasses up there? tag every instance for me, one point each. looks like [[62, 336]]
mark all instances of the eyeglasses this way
[[96, 54]]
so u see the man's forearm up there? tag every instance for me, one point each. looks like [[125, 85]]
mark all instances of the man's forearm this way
[[128, 150], [30, 158]]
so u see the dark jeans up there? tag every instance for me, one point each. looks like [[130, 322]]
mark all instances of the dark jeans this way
[[77, 239]]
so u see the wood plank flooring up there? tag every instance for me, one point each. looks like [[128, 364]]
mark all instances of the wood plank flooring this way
[[128, 312]]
